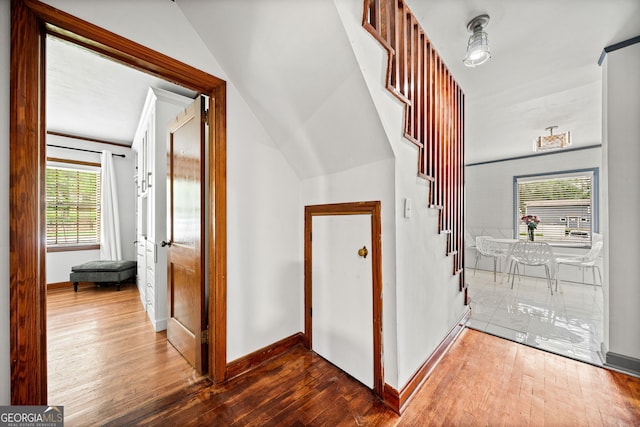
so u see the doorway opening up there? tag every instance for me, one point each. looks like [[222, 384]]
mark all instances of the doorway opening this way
[[30, 24], [371, 209]]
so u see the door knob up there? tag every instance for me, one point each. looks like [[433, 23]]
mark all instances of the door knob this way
[[363, 252], [163, 244]]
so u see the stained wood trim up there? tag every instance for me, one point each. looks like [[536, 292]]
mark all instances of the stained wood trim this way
[[398, 401], [128, 52], [217, 232], [27, 286], [85, 138], [73, 162], [256, 358], [59, 285], [72, 248], [372, 208], [30, 21]]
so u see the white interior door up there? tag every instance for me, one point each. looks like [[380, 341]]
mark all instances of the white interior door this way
[[342, 294]]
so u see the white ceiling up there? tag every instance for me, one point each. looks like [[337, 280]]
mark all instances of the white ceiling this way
[[543, 72], [91, 96]]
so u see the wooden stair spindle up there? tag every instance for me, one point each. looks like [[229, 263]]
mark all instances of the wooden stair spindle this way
[[434, 113]]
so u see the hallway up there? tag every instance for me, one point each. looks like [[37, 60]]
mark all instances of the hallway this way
[[108, 367]]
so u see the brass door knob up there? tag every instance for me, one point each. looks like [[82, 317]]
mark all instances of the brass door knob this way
[[363, 252]]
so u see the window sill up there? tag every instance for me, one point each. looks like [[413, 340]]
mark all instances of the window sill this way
[[71, 248]]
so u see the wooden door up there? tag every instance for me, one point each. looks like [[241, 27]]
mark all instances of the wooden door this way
[[342, 319], [187, 324]]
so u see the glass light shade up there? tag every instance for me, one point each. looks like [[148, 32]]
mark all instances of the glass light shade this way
[[549, 142], [477, 49]]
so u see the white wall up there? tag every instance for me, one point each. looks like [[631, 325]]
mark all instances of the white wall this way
[[621, 142], [490, 198], [59, 263], [265, 240], [429, 298], [5, 49]]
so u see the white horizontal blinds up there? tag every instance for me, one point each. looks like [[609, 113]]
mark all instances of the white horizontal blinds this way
[[72, 206], [564, 205]]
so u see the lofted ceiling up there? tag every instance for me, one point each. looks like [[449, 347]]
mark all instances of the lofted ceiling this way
[[291, 62]]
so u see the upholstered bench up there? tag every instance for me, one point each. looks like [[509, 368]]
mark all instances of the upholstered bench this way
[[102, 272]]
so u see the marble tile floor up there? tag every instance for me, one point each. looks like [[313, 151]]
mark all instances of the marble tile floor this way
[[568, 323]]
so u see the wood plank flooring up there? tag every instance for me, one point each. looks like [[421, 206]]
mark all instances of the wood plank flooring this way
[[108, 367]]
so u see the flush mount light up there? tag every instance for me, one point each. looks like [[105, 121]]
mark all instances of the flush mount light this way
[[478, 46], [551, 141]]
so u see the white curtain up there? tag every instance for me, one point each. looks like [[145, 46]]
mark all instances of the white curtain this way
[[110, 246]]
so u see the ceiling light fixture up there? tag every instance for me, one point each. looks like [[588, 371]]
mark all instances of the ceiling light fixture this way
[[551, 141], [478, 46]]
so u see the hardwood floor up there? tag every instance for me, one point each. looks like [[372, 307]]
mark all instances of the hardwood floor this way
[[108, 367], [104, 358]]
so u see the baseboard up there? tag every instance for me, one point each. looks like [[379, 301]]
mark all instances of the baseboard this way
[[160, 325], [398, 400], [59, 285], [622, 363], [251, 360]]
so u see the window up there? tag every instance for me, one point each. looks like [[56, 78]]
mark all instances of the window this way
[[72, 204], [564, 202]]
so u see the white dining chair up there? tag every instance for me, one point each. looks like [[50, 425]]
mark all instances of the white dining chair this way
[[589, 260], [536, 254], [485, 246]]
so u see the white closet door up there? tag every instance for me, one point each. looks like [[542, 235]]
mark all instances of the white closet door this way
[[342, 306]]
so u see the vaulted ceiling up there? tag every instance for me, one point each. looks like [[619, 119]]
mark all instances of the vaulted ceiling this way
[[291, 62]]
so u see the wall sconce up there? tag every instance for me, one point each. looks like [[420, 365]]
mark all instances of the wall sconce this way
[[478, 46]]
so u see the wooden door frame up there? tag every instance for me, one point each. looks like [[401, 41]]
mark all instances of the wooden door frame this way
[[355, 208], [31, 21]]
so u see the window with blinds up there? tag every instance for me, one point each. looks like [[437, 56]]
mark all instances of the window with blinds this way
[[564, 203], [72, 205]]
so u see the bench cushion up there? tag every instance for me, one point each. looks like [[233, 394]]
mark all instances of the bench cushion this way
[[104, 266]]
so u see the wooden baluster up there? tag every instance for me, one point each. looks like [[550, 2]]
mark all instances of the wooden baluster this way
[[431, 118], [423, 104], [409, 90], [384, 8], [417, 110], [401, 50], [460, 184], [372, 11], [457, 180], [440, 129], [434, 125]]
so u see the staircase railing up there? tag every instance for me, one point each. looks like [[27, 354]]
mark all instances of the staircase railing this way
[[434, 113]]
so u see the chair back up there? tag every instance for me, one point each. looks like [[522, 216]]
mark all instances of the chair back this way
[[532, 253], [469, 241], [594, 252], [486, 246]]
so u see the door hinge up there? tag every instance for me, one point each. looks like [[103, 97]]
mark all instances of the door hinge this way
[[205, 116], [310, 312], [204, 336], [311, 236]]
